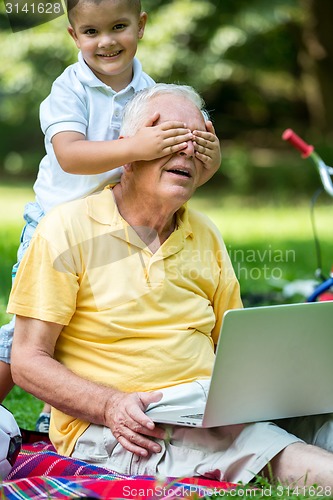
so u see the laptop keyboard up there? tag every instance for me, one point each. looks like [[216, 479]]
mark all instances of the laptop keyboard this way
[[198, 416]]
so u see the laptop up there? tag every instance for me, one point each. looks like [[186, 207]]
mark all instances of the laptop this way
[[271, 362]]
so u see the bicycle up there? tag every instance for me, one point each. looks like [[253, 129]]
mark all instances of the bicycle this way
[[324, 291]]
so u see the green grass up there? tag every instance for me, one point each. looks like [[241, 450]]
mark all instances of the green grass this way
[[262, 488], [12, 200], [24, 406], [268, 241]]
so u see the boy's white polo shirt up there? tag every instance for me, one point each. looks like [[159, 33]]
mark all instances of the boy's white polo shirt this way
[[80, 102]]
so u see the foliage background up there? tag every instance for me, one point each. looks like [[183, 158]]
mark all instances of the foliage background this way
[[261, 67]]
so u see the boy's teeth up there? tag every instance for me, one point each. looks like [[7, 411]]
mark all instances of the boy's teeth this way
[[110, 55]]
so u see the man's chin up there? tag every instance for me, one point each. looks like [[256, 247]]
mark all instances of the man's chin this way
[[179, 193]]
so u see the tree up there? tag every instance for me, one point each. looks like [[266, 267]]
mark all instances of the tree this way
[[316, 60], [261, 66]]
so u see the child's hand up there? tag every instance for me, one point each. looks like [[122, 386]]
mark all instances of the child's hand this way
[[208, 151], [155, 141]]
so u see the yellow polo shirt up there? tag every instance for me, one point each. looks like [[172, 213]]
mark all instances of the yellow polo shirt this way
[[134, 319]]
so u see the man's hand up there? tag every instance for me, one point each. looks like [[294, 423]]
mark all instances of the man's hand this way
[[123, 413], [208, 151], [130, 426], [155, 141]]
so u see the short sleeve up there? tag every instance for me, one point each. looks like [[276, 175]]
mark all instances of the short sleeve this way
[[42, 289], [227, 295], [65, 109]]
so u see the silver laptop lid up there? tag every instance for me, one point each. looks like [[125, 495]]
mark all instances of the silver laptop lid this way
[[272, 362]]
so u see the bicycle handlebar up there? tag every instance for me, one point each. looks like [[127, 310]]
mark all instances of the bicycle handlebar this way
[[308, 151], [298, 143]]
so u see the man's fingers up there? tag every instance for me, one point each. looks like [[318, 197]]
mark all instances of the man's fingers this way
[[141, 447], [150, 397], [133, 429], [132, 447], [138, 441], [138, 421]]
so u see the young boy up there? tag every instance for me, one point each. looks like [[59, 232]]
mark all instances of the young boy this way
[[81, 120]]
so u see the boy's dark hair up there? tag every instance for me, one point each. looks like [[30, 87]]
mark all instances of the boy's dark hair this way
[[134, 5]]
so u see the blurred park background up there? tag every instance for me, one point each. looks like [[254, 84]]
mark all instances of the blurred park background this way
[[261, 66]]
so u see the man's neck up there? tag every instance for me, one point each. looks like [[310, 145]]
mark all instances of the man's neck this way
[[151, 221]]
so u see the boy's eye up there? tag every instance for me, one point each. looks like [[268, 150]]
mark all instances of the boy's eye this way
[[118, 27], [90, 31]]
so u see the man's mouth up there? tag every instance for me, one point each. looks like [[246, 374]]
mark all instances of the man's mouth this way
[[180, 171]]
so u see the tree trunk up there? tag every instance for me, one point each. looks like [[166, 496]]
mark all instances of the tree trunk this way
[[317, 62]]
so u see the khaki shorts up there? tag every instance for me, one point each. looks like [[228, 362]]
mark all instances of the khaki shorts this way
[[232, 453]]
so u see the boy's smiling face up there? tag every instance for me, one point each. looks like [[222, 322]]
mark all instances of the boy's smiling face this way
[[107, 34]]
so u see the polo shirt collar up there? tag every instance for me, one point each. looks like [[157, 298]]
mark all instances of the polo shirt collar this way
[[102, 208], [87, 77]]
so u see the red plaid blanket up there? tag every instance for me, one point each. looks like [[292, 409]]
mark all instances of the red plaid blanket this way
[[40, 473]]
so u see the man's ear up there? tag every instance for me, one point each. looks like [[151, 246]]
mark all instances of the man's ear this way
[[72, 33], [128, 167]]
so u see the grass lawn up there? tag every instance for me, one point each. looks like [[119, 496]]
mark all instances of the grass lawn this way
[[12, 200], [268, 241]]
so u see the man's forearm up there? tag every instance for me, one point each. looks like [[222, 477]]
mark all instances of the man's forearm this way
[[62, 388], [91, 402], [32, 354]]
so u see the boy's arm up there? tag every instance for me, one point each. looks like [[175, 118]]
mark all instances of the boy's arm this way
[[207, 148], [76, 155]]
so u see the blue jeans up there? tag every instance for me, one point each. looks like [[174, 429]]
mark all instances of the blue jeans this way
[[32, 215]]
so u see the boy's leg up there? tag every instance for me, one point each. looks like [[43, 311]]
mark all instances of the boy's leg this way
[[6, 339], [43, 421], [7, 383]]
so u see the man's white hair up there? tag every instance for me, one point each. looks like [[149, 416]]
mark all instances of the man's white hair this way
[[135, 114]]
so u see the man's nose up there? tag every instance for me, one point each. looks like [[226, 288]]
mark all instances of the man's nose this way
[[189, 150]]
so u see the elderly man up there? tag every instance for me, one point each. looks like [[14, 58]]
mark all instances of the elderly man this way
[[119, 300]]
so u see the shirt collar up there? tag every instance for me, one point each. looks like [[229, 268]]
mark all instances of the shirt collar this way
[[102, 208]]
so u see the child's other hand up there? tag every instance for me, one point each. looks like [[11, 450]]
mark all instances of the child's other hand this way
[[155, 141], [207, 147]]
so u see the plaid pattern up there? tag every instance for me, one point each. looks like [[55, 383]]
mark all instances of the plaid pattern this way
[[40, 473], [41, 459]]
